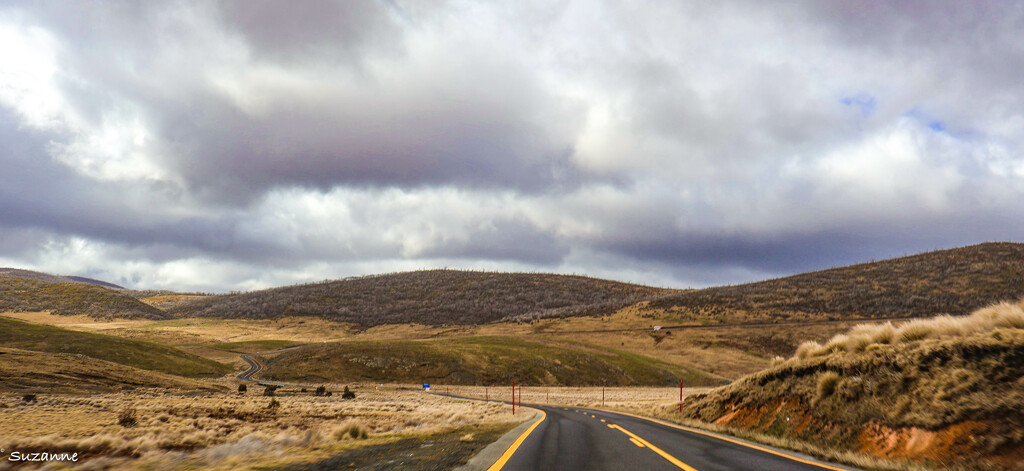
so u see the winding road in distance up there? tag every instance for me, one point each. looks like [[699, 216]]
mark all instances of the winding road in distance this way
[[578, 439], [255, 367]]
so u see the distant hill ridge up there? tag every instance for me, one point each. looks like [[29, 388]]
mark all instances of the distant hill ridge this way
[[431, 297], [40, 276], [954, 281], [25, 290]]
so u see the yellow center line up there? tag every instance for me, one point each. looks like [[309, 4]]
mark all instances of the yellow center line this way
[[635, 442], [636, 438], [730, 440], [515, 445]]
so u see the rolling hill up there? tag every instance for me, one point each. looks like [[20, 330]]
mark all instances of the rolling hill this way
[[134, 353], [489, 360], [21, 290], [35, 275], [30, 371], [955, 281], [431, 297], [945, 391]]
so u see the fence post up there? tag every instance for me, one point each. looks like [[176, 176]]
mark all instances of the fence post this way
[[513, 398], [680, 396]]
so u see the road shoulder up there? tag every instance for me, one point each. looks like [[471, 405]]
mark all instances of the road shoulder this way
[[489, 455]]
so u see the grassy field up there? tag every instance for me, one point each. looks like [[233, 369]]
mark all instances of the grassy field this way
[[159, 429], [134, 353], [944, 392], [474, 360], [722, 353]]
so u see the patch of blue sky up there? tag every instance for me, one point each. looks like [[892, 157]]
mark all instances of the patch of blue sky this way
[[934, 124], [864, 101]]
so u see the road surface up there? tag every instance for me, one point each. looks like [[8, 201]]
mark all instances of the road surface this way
[[255, 367], [569, 438]]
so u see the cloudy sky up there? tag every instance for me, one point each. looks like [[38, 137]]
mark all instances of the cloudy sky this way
[[244, 144]]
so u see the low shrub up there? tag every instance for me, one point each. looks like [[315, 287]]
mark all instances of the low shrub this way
[[347, 394], [127, 418]]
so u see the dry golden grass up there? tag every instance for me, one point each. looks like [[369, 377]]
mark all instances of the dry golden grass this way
[[943, 392], [29, 371], [725, 353], [861, 337], [166, 301], [229, 431], [639, 398]]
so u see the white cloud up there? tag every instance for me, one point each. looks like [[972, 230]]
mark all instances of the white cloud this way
[[650, 141]]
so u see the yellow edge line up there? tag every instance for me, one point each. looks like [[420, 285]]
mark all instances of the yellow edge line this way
[[730, 440], [515, 445], [636, 439]]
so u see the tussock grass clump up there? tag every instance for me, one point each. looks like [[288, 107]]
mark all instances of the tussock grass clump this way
[[350, 429], [859, 338], [127, 417], [826, 385]]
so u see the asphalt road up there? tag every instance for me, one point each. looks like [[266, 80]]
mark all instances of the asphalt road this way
[[583, 439], [255, 367]]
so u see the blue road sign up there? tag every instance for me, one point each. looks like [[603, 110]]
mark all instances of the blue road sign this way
[[426, 385]]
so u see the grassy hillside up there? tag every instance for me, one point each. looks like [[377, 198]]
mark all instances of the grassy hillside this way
[[27, 294], [135, 353], [947, 391], [430, 297], [39, 372], [475, 360], [35, 275], [955, 281]]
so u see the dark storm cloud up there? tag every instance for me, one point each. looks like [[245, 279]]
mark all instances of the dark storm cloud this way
[[313, 30], [40, 196], [507, 240], [303, 118]]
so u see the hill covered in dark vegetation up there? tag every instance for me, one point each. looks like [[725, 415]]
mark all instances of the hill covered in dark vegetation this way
[[955, 281], [431, 297], [49, 293], [947, 391]]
